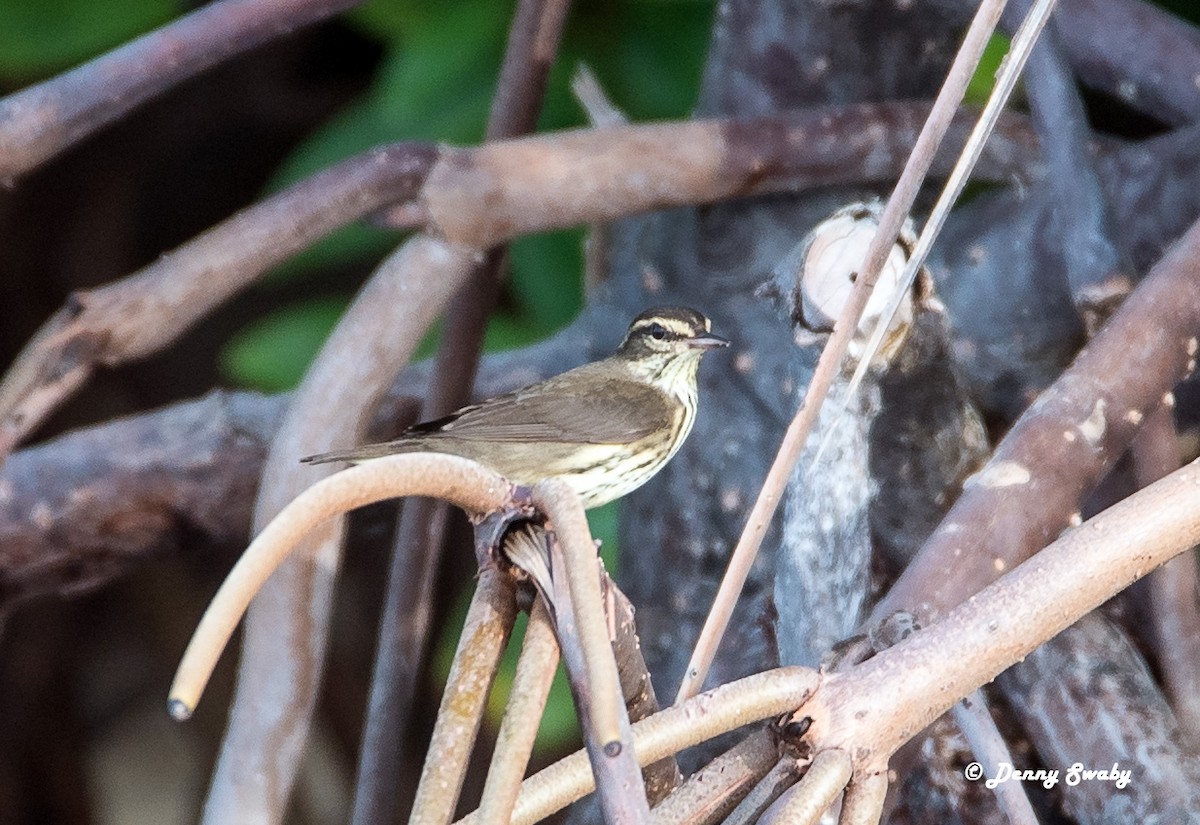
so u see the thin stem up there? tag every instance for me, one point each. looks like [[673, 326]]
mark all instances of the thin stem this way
[[489, 622], [811, 797], [527, 700], [890, 224], [562, 507], [783, 775], [1006, 81], [976, 723], [620, 788], [709, 795]]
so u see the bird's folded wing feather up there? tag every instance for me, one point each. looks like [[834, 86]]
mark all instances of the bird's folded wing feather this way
[[620, 413], [562, 410]]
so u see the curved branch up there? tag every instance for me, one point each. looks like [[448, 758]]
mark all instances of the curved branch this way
[[41, 121], [698, 719], [420, 536], [875, 707], [457, 480], [277, 683]]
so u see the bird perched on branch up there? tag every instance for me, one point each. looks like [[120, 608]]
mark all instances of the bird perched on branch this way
[[605, 428]]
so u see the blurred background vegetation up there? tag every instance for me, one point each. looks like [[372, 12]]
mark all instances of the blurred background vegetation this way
[[82, 734]]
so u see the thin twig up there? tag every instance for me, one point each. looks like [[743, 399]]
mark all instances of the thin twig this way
[[890, 224], [467, 484], [416, 553], [697, 720], [41, 121], [1006, 81], [518, 730], [619, 786], [561, 505], [489, 622], [782, 776], [284, 642], [709, 795], [1173, 588], [975, 721], [811, 797]]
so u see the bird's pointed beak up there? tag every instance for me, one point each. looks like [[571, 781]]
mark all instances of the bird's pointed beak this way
[[707, 340]]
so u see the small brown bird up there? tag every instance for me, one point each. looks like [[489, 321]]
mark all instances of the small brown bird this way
[[605, 428]]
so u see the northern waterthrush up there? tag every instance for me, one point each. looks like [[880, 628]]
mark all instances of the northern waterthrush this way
[[604, 428]]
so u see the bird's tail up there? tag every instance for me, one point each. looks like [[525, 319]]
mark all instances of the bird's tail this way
[[363, 453]]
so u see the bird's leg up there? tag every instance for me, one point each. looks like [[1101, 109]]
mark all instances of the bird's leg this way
[[490, 528]]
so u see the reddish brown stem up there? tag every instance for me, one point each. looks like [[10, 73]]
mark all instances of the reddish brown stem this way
[[39, 122]]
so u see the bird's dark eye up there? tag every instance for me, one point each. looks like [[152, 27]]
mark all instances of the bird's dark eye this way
[[657, 332]]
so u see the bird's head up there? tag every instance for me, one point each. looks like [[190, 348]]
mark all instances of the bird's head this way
[[668, 335]]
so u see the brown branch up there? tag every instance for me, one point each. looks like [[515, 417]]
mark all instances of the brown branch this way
[[875, 707], [518, 730], [587, 656], [641, 702], [88, 506], [458, 480], [41, 121], [671, 730], [416, 553], [713, 792], [1064, 443], [484, 636], [762, 796], [807, 801], [480, 197], [864, 800], [1174, 614], [277, 683], [142, 313], [91, 505]]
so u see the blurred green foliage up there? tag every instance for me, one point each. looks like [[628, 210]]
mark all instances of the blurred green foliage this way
[[984, 79], [435, 82], [39, 37]]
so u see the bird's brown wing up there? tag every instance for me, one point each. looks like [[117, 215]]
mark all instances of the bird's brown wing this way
[[618, 412], [568, 408]]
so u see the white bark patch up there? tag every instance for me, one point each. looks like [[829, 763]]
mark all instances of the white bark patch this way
[[1002, 474], [1092, 428]]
